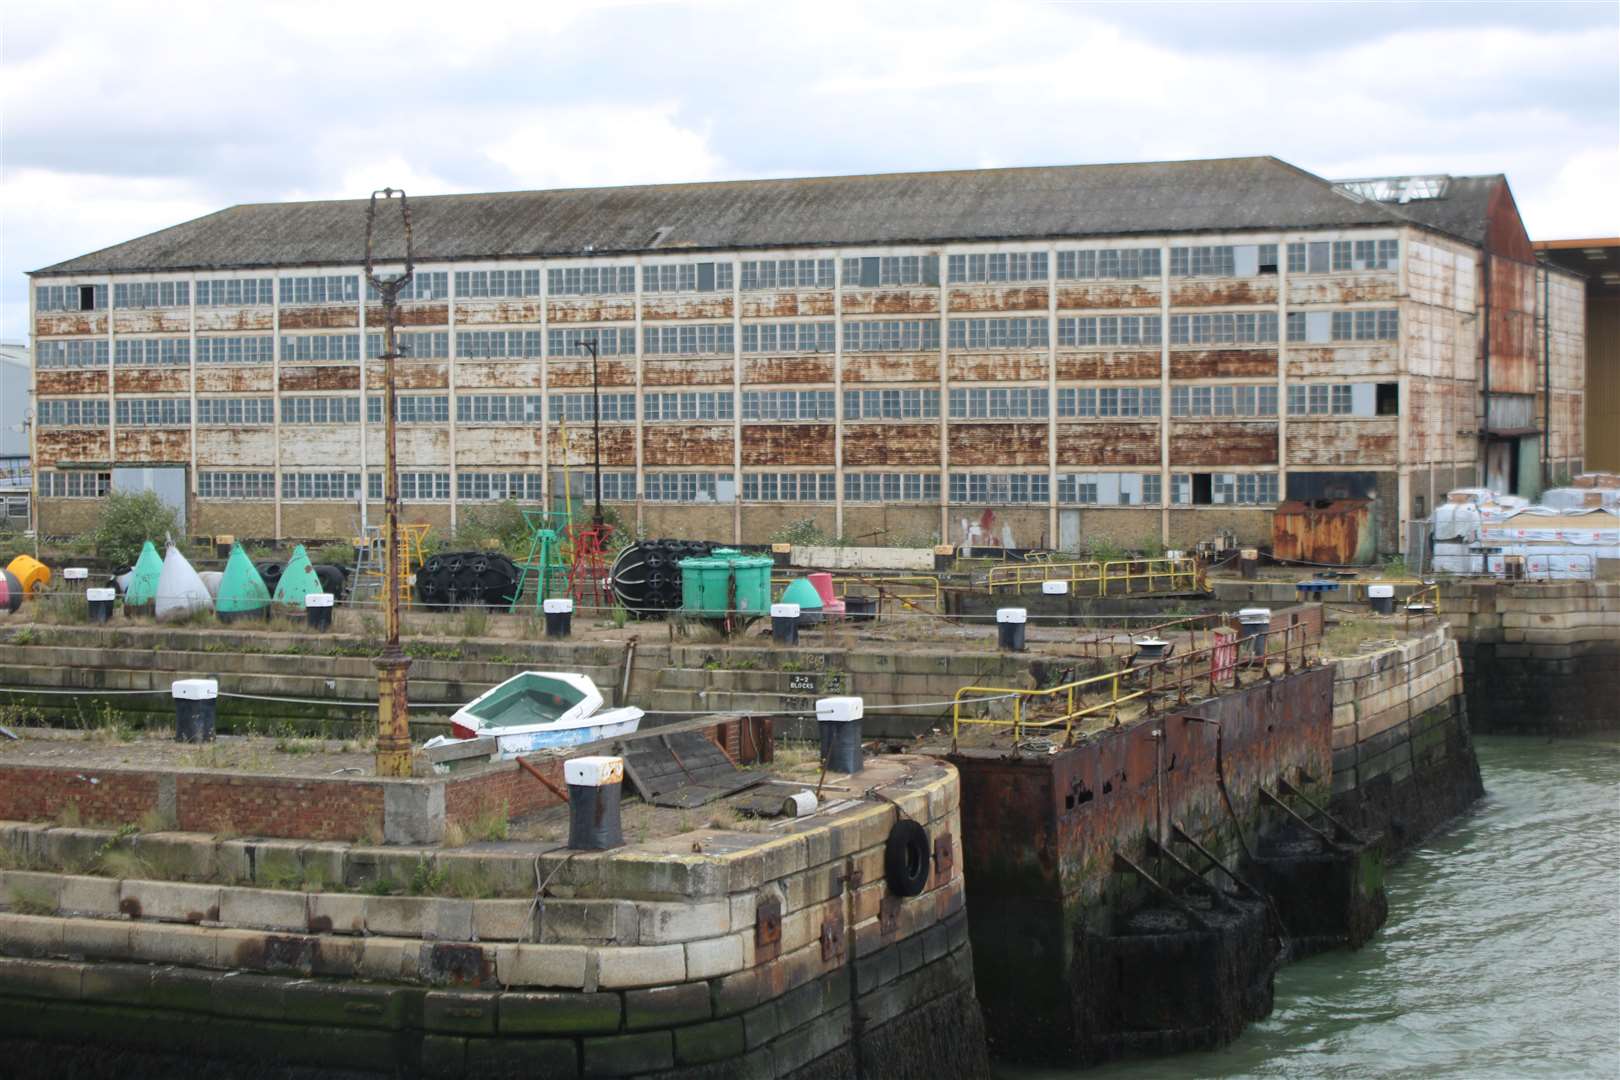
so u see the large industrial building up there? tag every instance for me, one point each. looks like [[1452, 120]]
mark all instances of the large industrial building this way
[[1041, 356]]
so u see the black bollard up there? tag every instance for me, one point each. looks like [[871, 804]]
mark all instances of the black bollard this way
[[1382, 598], [839, 722], [194, 705], [1010, 628], [559, 617], [318, 611], [785, 624], [100, 602], [594, 786]]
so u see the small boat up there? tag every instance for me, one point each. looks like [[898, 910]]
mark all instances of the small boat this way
[[542, 710]]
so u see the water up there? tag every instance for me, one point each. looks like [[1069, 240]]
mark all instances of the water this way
[[1501, 956]]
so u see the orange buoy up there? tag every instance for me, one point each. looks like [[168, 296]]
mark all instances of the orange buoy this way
[[30, 573]]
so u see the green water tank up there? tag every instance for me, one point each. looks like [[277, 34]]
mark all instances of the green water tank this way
[[705, 583], [753, 576]]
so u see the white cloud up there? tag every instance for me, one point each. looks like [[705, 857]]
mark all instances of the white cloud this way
[[595, 145]]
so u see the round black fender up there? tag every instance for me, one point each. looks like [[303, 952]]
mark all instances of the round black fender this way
[[906, 859]]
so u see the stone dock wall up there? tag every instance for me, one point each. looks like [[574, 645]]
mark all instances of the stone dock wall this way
[[1403, 756], [713, 954], [1538, 657]]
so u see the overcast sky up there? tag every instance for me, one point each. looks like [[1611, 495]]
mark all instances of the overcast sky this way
[[126, 118]]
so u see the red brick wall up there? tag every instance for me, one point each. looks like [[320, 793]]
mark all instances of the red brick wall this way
[[302, 808], [31, 793], [466, 798]]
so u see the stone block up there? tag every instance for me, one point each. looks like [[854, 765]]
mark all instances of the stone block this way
[[717, 956], [94, 896], [413, 812], [503, 920], [444, 1055], [628, 1055], [448, 920], [184, 989], [561, 966], [559, 1014], [251, 997], [666, 1006], [117, 984], [388, 958], [734, 994], [180, 855], [169, 901], [717, 1040], [98, 939], [323, 864], [31, 935], [640, 965], [263, 909], [164, 943], [548, 1058], [398, 916], [795, 1049], [588, 922], [336, 913], [665, 923], [460, 1012], [639, 875]]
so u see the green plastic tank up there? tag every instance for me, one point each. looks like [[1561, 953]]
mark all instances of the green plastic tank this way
[[753, 576], [705, 585]]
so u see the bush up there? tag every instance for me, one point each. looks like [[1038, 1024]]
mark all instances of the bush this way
[[804, 532], [503, 524], [128, 521]]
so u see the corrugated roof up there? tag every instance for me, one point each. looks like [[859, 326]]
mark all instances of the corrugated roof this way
[[896, 208], [1464, 210]]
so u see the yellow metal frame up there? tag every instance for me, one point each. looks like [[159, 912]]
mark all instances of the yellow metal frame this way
[[1172, 574], [910, 592], [1429, 594], [1067, 691]]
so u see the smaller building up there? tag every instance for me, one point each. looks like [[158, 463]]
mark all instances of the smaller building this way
[[1598, 261], [16, 477]]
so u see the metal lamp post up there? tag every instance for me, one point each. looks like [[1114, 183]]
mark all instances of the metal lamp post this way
[[596, 430], [393, 724]]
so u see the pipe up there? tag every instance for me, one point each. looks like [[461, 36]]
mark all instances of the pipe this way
[[1485, 375], [1546, 375]]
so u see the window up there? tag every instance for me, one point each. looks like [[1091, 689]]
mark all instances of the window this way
[[1388, 401], [320, 410], [999, 488], [789, 487], [875, 270], [236, 292], [1260, 400], [787, 274], [71, 354], [72, 412], [423, 486], [1313, 327], [568, 344], [687, 277], [579, 408], [820, 337], [152, 294], [1365, 254], [213, 484], [1210, 261], [998, 333], [901, 335], [1109, 489], [1224, 328], [687, 339], [997, 267], [310, 486], [411, 409], [260, 349], [1108, 263], [688, 405], [1108, 401], [320, 348], [616, 486], [235, 412], [333, 289], [494, 284], [424, 285], [690, 487], [891, 487], [1109, 330], [152, 352], [421, 344], [591, 281], [1314, 257], [499, 486], [891, 404], [1203, 489], [74, 485], [1365, 325], [70, 297], [788, 405], [998, 403], [498, 408]]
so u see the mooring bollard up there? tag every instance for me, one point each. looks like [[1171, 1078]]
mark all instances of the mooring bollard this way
[[944, 557], [1382, 598], [100, 602], [1054, 588], [76, 577], [1010, 628], [318, 611], [194, 705], [1256, 623], [1249, 563], [559, 616], [781, 555], [594, 787], [785, 624], [839, 722]]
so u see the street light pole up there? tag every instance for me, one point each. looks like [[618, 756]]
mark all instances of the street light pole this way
[[596, 429], [393, 718]]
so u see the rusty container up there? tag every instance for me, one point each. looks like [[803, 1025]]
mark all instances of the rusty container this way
[[1331, 532]]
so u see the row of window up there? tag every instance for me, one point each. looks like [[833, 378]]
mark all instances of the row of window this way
[[153, 412], [424, 285]]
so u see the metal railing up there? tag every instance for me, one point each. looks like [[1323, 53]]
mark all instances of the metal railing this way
[[918, 592], [1423, 603], [1218, 665], [1159, 575]]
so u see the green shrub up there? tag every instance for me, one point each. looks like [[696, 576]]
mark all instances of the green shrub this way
[[128, 521]]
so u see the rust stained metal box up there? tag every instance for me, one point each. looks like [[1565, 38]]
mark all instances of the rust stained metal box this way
[[1334, 531]]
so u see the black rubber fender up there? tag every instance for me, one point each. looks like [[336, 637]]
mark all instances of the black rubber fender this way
[[907, 861]]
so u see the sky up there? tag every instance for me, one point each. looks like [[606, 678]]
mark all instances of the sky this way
[[127, 118]]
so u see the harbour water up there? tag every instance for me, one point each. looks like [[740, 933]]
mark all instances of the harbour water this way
[[1501, 957]]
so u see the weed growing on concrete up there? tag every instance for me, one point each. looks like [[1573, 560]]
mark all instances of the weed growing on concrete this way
[[67, 816], [474, 622], [790, 753], [26, 636], [382, 886], [471, 883], [27, 900], [372, 834], [492, 823], [427, 879], [454, 836], [281, 875], [155, 820], [747, 663]]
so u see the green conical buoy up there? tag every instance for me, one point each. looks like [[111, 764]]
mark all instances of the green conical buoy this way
[[801, 592], [143, 580], [241, 591], [298, 580]]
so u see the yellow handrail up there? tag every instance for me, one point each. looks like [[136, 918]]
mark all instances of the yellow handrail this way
[[908, 590], [1429, 594], [1171, 575]]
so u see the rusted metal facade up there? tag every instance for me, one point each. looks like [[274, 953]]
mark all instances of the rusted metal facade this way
[[951, 462]]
